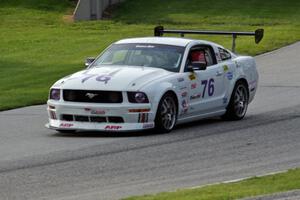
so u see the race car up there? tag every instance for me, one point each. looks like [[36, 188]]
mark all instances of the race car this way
[[155, 82]]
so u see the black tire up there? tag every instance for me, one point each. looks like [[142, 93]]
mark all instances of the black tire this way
[[238, 104], [166, 115]]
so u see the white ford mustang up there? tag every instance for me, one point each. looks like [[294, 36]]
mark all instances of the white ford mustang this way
[[155, 82]]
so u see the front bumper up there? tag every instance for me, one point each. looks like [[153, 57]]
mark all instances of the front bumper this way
[[134, 116]]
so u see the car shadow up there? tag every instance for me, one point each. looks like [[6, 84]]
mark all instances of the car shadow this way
[[142, 133]]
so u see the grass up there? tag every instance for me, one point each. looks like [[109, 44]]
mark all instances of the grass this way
[[38, 44], [242, 189]]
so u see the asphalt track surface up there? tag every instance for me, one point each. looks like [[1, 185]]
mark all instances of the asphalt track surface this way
[[36, 163]]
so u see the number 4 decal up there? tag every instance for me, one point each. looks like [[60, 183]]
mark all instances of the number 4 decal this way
[[210, 88]]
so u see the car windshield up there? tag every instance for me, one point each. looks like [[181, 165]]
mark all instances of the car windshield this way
[[167, 57]]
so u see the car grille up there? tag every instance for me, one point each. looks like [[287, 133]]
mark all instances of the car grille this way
[[93, 119], [92, 96]]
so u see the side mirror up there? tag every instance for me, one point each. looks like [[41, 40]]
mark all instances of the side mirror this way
[[89, 61], [197, 66]]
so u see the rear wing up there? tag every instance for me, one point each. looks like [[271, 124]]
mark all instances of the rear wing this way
[[258, 34]]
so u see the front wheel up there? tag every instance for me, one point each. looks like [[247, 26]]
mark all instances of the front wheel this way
[[166, 116], [238, 104]]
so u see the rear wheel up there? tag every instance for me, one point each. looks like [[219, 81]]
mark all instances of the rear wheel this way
[[166, 116], [238, 104]]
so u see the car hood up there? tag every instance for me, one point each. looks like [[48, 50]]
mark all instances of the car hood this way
[[115, 78]]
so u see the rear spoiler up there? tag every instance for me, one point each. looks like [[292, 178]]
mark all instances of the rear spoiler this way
[[259, 34]]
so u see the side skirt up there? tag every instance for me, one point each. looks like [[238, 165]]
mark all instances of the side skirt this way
[[200, 116]]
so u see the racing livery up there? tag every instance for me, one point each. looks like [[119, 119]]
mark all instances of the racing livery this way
[[154, 82]]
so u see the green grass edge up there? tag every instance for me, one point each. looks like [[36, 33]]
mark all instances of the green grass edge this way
[[255, 186]]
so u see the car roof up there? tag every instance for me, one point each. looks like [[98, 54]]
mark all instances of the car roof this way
[[163, 40]]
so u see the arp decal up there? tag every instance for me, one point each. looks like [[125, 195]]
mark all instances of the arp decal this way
[[229, 75], [192, 76], [180, 79], [193, 85], [66, 125], [195, 96], [225, 68], [112, 127], [225, 100]]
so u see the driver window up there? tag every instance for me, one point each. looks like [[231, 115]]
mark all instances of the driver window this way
[[201, 54]]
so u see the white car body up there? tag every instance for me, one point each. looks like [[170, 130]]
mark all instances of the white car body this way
[[192, 98]]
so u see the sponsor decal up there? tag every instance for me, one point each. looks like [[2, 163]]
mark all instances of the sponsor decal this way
[[66, 125], [192, 77], [193, 85], [184, 94], [184, 106], [148, 125], [98, 112], [229, 75], [195, 96], [225, 68], [252, 89], [144, 46], [87, 109], [180, 79], [112, 127], [225, 100]]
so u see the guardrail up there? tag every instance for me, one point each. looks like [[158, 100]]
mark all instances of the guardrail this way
[[92, 9]]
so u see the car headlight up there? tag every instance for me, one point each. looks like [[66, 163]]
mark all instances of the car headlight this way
[[55, 94], [137, 97]]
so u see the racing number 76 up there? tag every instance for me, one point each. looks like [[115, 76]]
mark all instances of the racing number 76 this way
[[210, 88]]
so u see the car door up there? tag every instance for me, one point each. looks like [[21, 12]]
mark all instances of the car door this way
[[207, 87]]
